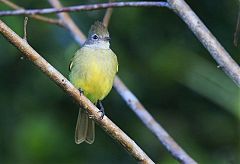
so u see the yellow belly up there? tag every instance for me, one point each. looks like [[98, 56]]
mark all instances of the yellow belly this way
[[94, 72], [96, 84]]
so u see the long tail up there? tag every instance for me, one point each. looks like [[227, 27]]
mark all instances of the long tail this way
[[85, 128]]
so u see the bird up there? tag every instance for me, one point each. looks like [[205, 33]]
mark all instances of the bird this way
[[92, 71]]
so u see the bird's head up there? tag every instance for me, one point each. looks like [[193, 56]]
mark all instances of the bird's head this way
[[98, 36]]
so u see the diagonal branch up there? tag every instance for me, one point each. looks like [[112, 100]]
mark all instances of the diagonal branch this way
[[107, 125], [25, 29], [229, 66], [107, 15], [237, 31], [166, 140], [68, 23], [176, 151], [84, 8], [37, 17]]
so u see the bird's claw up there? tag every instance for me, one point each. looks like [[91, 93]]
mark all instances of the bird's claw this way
[[101, 109], [102, 115], [81, 91]]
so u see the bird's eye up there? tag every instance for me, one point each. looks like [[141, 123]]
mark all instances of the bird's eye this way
[[95, 37]]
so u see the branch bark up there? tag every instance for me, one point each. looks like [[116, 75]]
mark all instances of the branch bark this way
[[107, 125], [237, 31], [84, 8], [175, 150], [221, 56], [107, 15]]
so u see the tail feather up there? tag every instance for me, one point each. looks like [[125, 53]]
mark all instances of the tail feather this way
[[85, 128], [90, 132]]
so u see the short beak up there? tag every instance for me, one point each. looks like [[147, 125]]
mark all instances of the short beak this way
[[107, 38]]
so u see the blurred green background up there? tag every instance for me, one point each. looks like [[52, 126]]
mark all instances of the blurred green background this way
[[160, 60]]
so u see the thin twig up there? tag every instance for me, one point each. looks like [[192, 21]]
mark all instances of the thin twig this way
[[237, 31], [176, 151], [37, 17], [11, 4], [84, 8], [108, 126], [25, 28], [108, 15], [221, 56]]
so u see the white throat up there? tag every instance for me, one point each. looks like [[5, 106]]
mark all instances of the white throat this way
[[99, 45]]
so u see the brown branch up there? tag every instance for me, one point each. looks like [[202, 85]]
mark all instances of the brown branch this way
[[108, 126], [68, 23], [107, 15], [84, 8], [37, 17], [237, 31], [25, 29], [226, 63], [176, 151], [11, 4]]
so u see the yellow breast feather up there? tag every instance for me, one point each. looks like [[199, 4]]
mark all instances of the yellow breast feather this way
[[93, 71]]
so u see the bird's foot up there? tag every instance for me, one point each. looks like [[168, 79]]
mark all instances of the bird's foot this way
[[81, 91], [101, 108]]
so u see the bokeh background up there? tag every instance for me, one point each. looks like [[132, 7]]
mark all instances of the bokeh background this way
[[162, 63]]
